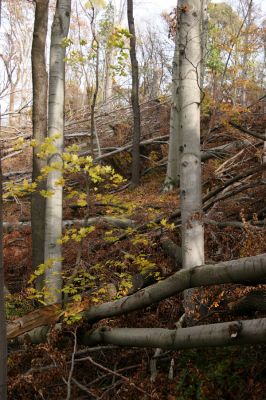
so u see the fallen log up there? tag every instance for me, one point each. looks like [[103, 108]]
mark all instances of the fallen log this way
[[236, 178], [245, 130], [242, 271], [214, 335], [41, 317], [250, 303], [172, 250], [250, 270], [114, 221]]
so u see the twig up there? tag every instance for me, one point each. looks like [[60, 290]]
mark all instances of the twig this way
[[84, 388], [119, 370], [72, 366], [115, 374]]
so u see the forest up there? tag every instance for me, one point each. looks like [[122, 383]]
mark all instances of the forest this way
[[132, 200]]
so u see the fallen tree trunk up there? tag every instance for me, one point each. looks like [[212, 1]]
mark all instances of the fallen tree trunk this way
[[223, 150], [245, 130], [236, 178], [250, 303], [250, 270], [234, 224], [41, 317], [114, 221], [172, 250], [222, 334], [244, 270]]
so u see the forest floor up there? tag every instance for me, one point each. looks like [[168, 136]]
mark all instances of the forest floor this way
[[41, 371]]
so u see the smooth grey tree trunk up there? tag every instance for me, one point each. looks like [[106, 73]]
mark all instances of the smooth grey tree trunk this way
[[204, 39], [190, 168], [173, 164], [246, 55], [134, 97], [108, 79], [223, 334], [250, 270], [53, 218], [39, 131], [116, 19], [245, 271]]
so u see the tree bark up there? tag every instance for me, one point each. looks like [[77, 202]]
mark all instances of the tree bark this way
[[3, 340], [53, 216], [246, 271], [173, 165], [248, 23], [249, 271], [190, 168], [214, 335], [134, 97], [204, 40], [39, 130]]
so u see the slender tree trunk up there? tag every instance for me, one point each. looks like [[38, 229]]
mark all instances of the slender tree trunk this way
[[204, 39], [155, 83], [53, 219], [96, 48], [39, 126], [12, 104], [173, 165], [3, 341], [190, 169], [115, 19], [108, 79], [134, 97], [246, 55]]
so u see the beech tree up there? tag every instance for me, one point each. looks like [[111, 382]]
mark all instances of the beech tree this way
[[173, 164], [134, 97], [249, 270], [190, 166], [39, 130], [54, 202], [113, 17]]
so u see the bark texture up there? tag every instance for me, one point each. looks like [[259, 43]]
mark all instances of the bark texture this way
[[39, 130], [249, 270], [190, 168], [222, 334], [173, 164], [53, 219], [244, 270], [134, 97]]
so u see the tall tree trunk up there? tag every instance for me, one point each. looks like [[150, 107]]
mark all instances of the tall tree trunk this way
[[173, 165], [39, 127], [246, 55], [204, 39], [190, 169], [3, 341], [53, 216], [12, 104], [96, 49], [108, 79], [115, 19], [134, 97]]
